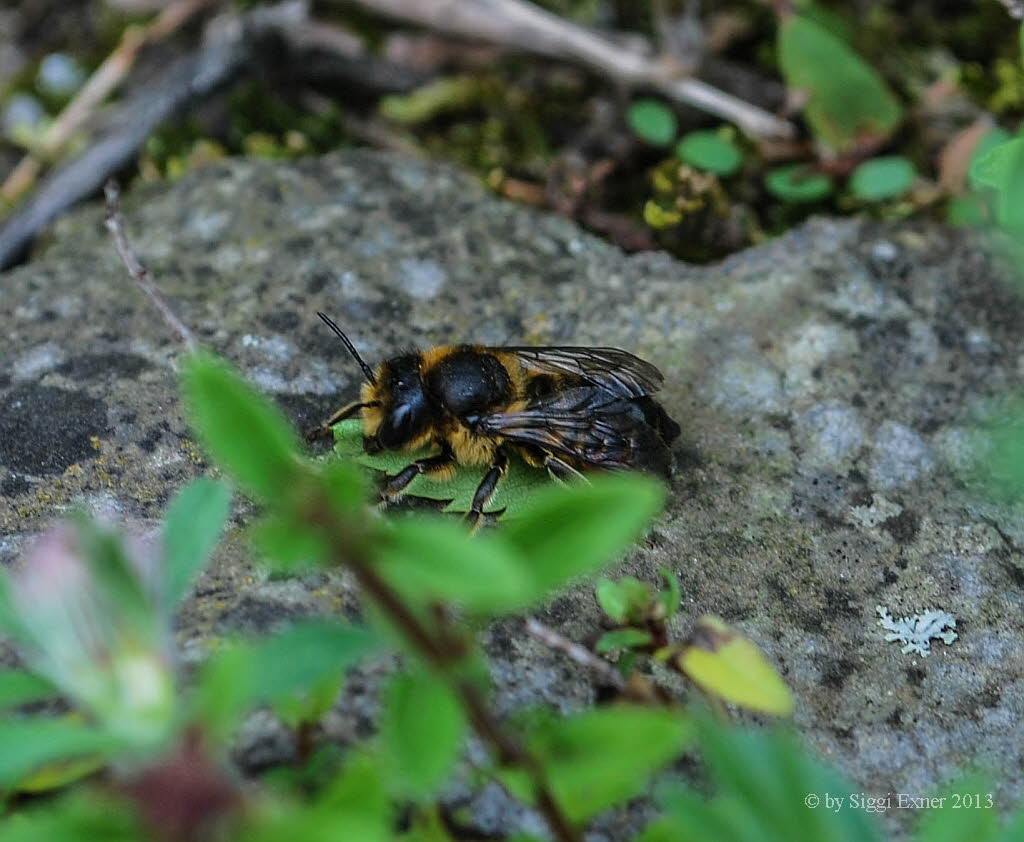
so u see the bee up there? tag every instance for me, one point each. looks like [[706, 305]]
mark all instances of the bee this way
[[566, 409]]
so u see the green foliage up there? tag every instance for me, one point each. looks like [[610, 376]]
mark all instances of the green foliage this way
[[422, 730], [19, 687], [798, 183], [247, 437], [1002, 169], [569, 531], [193, 524], [761, 779], [849, 104], [653, 121], [710, 151], [32, 743], [287, 670], [602, 757], [882, 178], [431, 100], [512, 492]]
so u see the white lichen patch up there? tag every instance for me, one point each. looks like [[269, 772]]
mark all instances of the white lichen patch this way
[[916, 633]]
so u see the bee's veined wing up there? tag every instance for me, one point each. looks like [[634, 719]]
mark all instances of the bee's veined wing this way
[[590, 425], [614, 369]]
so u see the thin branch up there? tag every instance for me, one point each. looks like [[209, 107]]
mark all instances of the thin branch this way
[[527, 27], [575, 652], [138, 272], [104, 81]]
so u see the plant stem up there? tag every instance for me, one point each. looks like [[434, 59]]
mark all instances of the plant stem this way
[[441, 649]]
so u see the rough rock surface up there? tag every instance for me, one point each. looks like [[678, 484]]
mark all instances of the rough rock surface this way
[[824, 382]]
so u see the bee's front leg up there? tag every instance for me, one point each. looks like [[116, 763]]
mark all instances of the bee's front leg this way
[[347, 411], [485, 490], [395, 485]]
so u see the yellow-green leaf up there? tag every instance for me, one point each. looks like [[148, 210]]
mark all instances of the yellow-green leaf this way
[[724, 663]]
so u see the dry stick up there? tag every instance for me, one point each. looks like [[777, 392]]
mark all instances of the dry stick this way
[[576, 652], [527, 27], [107, 77], [138, 272]]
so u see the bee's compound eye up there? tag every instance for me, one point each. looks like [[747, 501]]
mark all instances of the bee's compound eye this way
[[400, 425]]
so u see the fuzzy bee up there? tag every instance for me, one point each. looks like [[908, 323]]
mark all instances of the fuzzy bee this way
[[566, 409]]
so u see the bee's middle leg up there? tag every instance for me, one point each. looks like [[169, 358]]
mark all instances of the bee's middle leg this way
[[395, 485], [485, 490]]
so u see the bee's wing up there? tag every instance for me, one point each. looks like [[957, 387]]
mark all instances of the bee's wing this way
[[616, 370], [590, 425]]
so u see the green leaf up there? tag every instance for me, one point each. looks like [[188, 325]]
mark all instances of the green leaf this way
[[59, 774], [710, 151], [671, 595], [882, 178], [431, 560], [605, 756], [761, 779], [32, 743], [422, 728], [512, 492], [723, 662], [622, 639], [652, 121], [988, 174], [797, 183], [613, 599], [431, 100], [849, 103], [192, 526], [280, 669], [569, 531], [957, 817], [19, 687], [288, 545], [243, 432]]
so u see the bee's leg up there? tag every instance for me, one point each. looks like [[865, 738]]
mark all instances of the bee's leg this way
[[485, 490], [395, 485], [560, 470], [345, 412]]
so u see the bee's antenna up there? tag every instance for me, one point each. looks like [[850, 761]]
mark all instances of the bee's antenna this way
[[351, 349]]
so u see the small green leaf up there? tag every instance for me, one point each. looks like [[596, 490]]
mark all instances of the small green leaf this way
[[192, 526], [19, 687], [797, 183], [622, 639], [512, 492], [281, 668], [287, 545], [849, 103], [422, 728], [59, 774], [710, 151], [652, 121], [431, 100], [671, 596], [603, 757], [569, 531], [723, 662], [971, 821], [612, 598], [243, 432], [988, 174], [32, 743], [431, 560], [882, 178]]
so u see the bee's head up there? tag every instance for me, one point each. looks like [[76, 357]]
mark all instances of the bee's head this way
[[404, 410]]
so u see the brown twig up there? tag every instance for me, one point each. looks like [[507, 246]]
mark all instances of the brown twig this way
[[138, 272], [576, 652], [527, 27], [106, 78]]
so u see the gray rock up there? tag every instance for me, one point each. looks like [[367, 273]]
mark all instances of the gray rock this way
[[824, 382]]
